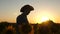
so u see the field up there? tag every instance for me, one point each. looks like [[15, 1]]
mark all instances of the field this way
[[48, 27]]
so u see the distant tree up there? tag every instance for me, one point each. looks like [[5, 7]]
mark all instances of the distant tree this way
[[46, 27], [55, 28]]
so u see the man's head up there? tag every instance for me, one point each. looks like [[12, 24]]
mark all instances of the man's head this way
[[26, 9]]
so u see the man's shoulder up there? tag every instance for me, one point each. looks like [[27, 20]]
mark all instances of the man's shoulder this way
[[20, 16]]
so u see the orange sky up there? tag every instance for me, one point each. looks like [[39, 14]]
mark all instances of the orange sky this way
[[10, 9]]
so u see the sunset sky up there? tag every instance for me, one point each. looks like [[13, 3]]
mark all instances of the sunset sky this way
[[10, 9]]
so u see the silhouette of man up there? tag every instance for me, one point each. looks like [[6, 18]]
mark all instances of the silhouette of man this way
[[22, 19]]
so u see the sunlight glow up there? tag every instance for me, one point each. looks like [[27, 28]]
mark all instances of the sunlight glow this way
[[43, 19], [43, 16]]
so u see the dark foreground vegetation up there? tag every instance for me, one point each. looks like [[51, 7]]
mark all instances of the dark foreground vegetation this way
[[48, 27]]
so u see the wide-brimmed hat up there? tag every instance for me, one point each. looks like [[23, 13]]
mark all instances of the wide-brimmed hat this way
[[26, 8]]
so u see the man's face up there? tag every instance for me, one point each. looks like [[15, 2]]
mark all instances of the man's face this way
[[27, 12]]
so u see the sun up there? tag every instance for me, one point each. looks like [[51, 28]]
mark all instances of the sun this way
[[44, 18]]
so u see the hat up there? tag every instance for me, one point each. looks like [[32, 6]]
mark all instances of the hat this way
[[26, 8]]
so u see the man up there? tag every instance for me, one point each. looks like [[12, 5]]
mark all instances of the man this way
[[22, 19]]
